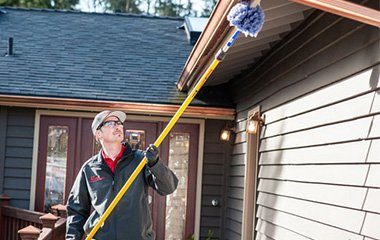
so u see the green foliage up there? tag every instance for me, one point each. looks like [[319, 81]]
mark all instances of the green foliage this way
[[173, 8], [208, 7], [209, 234], [126, 6], [208, 237], [168, 8], [52, 4]]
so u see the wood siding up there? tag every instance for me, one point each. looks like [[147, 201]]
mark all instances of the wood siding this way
[[16, 148], [216, 155], [319, 149]]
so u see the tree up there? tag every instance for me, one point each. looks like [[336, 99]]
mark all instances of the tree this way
[[189, 9], [168, 8], [125, 6], [54, 4], [208, 7]]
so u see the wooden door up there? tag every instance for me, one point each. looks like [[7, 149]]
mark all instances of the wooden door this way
[[56, 151]]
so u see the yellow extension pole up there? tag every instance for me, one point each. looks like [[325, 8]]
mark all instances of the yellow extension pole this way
[[157, 143]]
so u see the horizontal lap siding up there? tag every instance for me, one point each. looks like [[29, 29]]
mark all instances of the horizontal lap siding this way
[[213, 180], [319, 149], [18, 151]]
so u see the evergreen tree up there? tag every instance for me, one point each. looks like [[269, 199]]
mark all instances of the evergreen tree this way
[[54, 4], [208, 7], [168, 8], [125, 6]]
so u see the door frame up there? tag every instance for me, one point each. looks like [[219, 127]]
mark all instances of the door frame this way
[[251, 180], [132, 117]]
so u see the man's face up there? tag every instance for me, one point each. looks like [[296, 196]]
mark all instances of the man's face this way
[[111, 131]]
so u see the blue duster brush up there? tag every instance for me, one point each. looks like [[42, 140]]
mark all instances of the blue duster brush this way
[[246, 18], [249, 20]]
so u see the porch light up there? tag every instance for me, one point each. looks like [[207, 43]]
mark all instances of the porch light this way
[[253, 123], [225, 134]]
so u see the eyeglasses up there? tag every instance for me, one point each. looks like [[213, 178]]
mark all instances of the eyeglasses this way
[[110, 124]]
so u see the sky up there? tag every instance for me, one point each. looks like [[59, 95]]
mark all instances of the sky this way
[[87, 6]]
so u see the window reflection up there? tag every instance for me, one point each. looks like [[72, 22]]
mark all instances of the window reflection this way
[[176, 202], [135, 138], [56, 165]]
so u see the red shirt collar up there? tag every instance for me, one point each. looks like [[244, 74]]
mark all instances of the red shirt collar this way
[[112, 163]]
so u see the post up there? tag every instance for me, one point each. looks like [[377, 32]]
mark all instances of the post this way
[[59, 210], [62, 210], [54, 210], [29, 233], [48, 221], [4, 201]]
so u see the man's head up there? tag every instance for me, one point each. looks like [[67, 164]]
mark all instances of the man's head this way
[[107, 126]]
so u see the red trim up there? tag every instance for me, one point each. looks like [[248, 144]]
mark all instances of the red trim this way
[[128, 107]]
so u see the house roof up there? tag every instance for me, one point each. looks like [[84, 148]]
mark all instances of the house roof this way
[[76, 55]]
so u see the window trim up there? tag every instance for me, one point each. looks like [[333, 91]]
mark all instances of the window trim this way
[[250, 180]]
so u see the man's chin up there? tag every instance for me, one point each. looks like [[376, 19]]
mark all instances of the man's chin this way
[[120, 138]]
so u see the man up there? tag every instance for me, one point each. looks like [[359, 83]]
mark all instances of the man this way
[[102, 177]]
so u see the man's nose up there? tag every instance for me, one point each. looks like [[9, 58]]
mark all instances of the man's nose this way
[[119, 127]]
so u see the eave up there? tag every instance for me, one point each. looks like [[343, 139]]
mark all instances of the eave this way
[[129, 107], [218, 30]]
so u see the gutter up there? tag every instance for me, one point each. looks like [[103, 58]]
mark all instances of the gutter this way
[[207, 43], [129, 107]]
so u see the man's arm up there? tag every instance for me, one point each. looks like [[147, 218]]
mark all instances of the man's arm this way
[[78, 208], [159, 176]]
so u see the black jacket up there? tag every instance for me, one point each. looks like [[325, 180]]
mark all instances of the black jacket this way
[[96, 186]]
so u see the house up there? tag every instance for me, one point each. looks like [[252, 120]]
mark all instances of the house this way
[[313, 171], [311, 78], [59, 68]]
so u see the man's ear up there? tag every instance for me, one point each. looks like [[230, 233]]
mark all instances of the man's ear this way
[[97, 135]]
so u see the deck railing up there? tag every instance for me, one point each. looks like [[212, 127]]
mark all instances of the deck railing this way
[[16, 223]]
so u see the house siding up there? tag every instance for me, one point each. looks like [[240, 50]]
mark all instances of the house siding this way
[[16, 153], [319, 149], [216, 155]]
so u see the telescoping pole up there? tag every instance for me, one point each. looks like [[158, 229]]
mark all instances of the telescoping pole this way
[[219, 57], [245, 18]]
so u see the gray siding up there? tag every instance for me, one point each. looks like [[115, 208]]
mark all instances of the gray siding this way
[[319, 150], [18, 124], [216, 154]]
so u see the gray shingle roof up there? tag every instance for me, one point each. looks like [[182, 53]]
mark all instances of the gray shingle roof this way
[[117, 57]]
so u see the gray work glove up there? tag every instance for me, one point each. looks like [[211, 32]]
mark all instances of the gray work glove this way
[[151, 154]]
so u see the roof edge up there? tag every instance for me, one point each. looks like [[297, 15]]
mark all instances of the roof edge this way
[[92, 13], [128, 107], [207, 42]]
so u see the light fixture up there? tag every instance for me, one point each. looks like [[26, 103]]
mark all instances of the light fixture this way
[[253, 123], [225, 134]]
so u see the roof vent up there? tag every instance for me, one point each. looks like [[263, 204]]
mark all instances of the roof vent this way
[[10, 47], [194, 27]]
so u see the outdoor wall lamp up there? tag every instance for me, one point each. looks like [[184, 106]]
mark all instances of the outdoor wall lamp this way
[[253, 123], [225, 133]]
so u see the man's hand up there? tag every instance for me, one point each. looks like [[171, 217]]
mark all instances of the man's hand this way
[[151, 154]]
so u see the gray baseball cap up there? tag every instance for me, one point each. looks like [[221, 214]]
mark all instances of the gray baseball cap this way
[[100, 117]]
